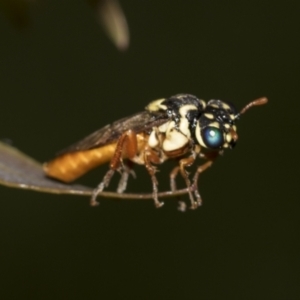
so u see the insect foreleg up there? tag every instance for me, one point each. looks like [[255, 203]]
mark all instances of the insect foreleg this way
[[200, 169], [183, 163], [126, 147]]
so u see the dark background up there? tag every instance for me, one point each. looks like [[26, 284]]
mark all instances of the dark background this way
[[61, 78]]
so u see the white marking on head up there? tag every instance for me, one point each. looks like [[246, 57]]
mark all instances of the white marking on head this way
[[215, 124], [198, 135], [228, 137]]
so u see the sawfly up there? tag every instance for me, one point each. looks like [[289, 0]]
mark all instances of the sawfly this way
[[181, 127]]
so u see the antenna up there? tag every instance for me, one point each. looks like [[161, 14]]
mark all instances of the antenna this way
[[259, 101]]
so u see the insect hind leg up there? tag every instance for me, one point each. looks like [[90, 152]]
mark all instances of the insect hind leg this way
[[126, 146], [126, 171], [105, 182]]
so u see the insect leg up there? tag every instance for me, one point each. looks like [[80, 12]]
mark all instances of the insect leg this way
[[151, 157], [104, 183], [173, 176], [126, 171], [200, 169], [177, 169], [186, 162], [127, 142]]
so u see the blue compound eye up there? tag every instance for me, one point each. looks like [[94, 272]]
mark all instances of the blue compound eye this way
[[212, 137]]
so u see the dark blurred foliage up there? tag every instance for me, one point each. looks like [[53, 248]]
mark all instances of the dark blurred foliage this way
[[108, 12], [17, 11]]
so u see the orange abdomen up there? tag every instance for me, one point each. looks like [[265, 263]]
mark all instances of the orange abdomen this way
[[70, 166]]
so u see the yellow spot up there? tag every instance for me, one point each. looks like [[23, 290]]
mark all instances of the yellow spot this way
[[202, 103], [186, 108], [225, 106], [209, 116], [215, 124], [228, 137], [156, 105]]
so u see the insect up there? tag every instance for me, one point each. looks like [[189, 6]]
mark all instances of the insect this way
[[181, 127]]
